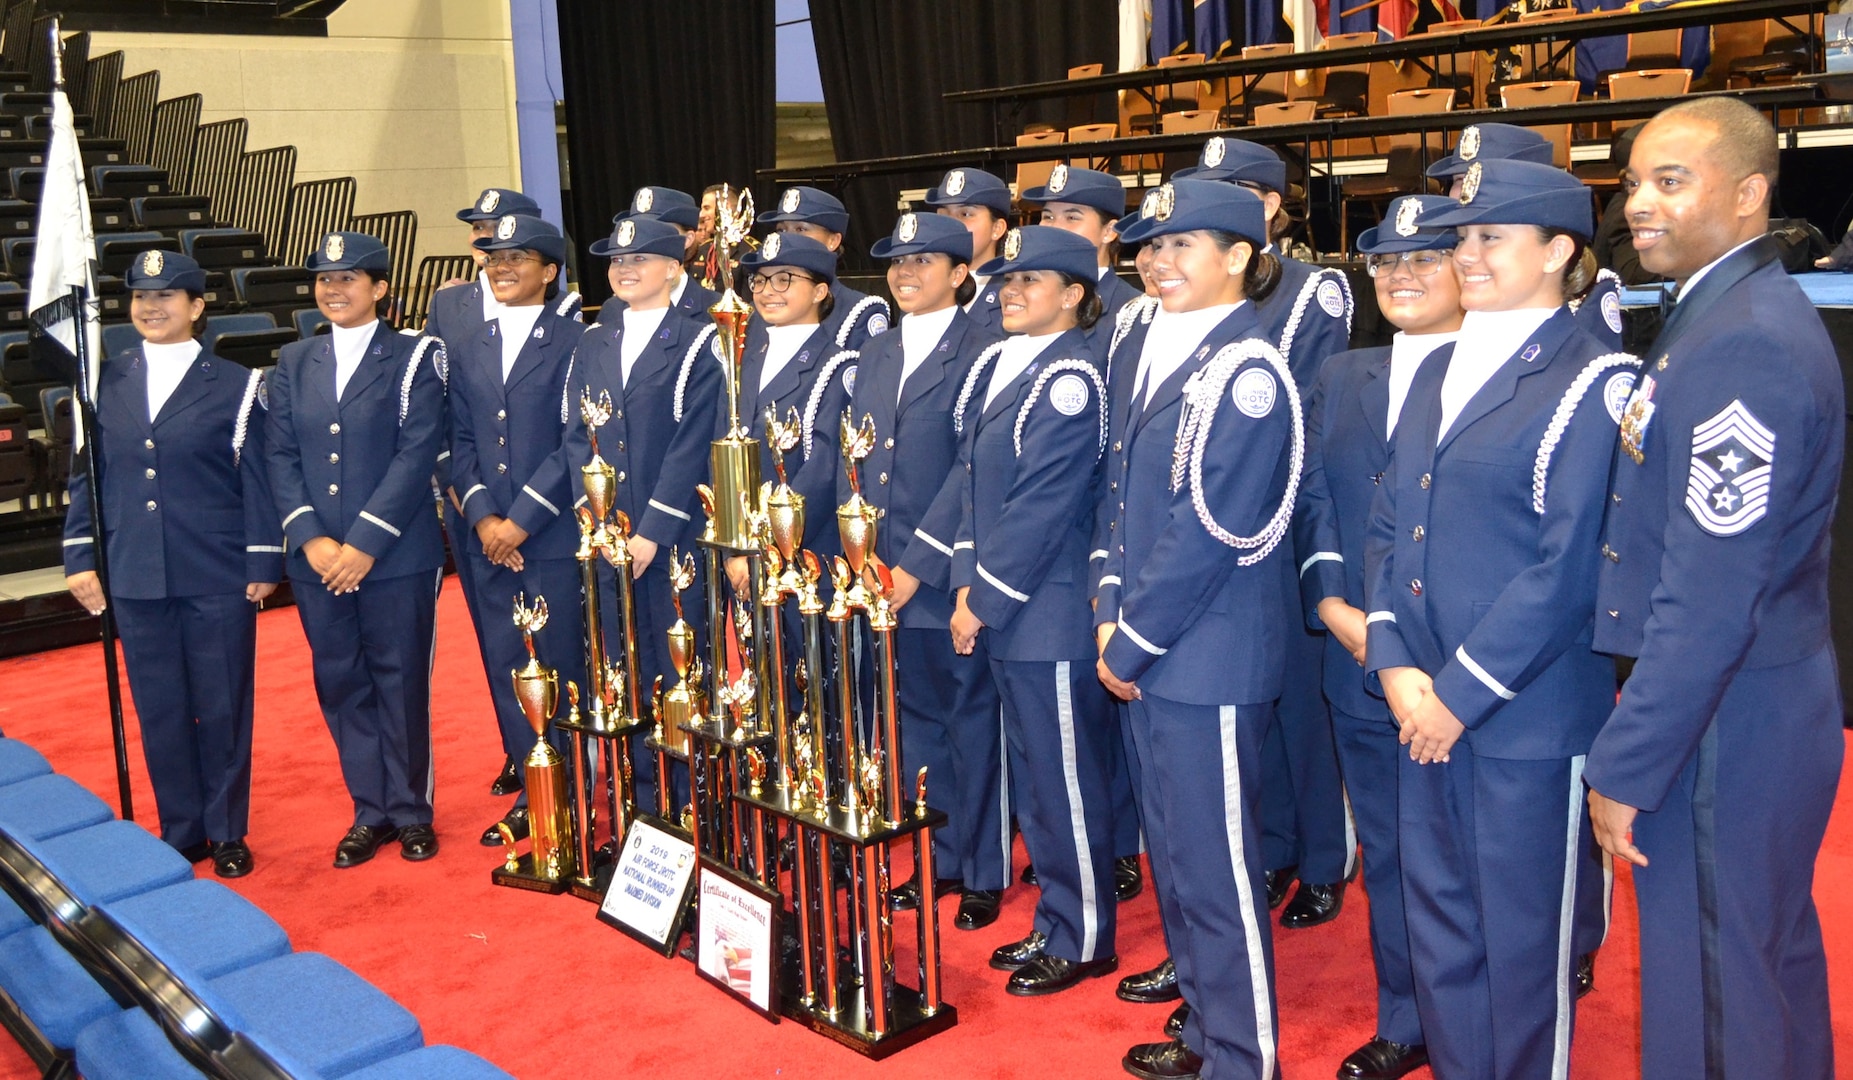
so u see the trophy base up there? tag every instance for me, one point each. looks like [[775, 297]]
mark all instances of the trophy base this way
[[656, 745], [838, 824], [594, 890], [710, 732], [524, 877], [909, 1022], [583, 723]]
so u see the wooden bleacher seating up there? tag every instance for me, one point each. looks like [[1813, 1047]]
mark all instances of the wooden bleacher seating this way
[[1036, 173], [1662, 82], [1408, 156], [1554, 92]]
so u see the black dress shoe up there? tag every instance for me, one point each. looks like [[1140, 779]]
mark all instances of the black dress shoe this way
[[1279, 881], [1162, 1061], [1128, 879], [1154, 987], [977, 909], [1051, 974], [1028, 876], [1585, 974], [417, 843], [1014, 955], [1381, 1059], [359, 845], [1313, 905], [1174, 1024], [231, 858], [197, 853], [907, 896], [508, 781], [517, 822]]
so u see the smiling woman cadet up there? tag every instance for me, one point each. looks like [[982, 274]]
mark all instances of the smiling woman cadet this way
[[356, 419], [193, 547], [980, 202], [1355, 406], [1480, 592]]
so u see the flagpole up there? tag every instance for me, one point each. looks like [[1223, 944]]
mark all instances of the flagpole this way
[[86, 418]]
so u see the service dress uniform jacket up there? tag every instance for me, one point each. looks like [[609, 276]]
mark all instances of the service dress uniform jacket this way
[[188, 523], [818, 383], [1026, 497], [856, 318], [948, 702], [1478, 558], [355, 466], [1598, 311], [1199, 630], [985, 308], [505, 438], [1727, 736]]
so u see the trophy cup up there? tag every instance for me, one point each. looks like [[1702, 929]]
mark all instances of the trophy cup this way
[[734, 457], [856, 518], [784, 509], [537, 688], [685, 703]]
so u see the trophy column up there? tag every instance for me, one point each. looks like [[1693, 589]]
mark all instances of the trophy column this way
[[549, 861]]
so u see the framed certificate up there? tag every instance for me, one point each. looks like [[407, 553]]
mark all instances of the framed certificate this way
[[736, 940], [648, 894]]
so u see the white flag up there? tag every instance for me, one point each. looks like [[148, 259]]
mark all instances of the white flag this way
[[65, 251], [1135, 31], [1303, 17]]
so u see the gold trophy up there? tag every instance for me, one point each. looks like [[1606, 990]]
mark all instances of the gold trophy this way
[[920, 806], [686, 701], [855, 519], [537, 688], [784, 510], [734, 457]]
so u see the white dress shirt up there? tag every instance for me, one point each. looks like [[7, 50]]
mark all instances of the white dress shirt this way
[[919, 334], [1171, 341], [350, 348], [639, 328], [1488, 341], [1407, 351], [1706, 269], [1018, 352], [782, 343], [167, 365], [515, 325], [491, 307]]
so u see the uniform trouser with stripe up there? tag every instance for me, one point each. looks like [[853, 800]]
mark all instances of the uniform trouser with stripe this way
[[949, 723], [190, 661], [1198, 765], [1303, 803], [1126, 841], [371, 652], [559, 645], [1733, 976], [458, 532], [1368, 753], [1490, 847], [1168, 915], [1060, 733]]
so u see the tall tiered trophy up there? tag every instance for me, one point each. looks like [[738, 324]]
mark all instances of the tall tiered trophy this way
[[549, 861], [734, 457]]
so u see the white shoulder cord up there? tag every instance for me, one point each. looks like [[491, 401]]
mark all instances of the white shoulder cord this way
[[972, 379], [817, 394], [855, 313], [688, 365], [1560, 420], [1203, 397], [568, 303], [411, 371], [252, 387], [1307, 292], [1138, 311], [1035, 391]]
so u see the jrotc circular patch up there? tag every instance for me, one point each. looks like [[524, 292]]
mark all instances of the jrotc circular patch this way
[[1616, 392], [645, 199], [1167, 201], [490, 200], [1469, 147], [1331, 298], [1213, 151], [1470, 183], [770, 249], [1406, 212], [789, 203], [627, 232], [907, 229], [878, 323], [152, 263], [1069, 394], [955, 182], [1254, 393], [1013, 245], [334, 248], [505, 228], [1611, 311], [1058, 178], [849, 380]]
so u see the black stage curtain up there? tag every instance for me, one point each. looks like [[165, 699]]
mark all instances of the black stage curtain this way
[[885, 65], [680, 97]]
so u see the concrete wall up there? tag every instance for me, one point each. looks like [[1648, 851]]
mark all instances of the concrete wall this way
[[415, 99]]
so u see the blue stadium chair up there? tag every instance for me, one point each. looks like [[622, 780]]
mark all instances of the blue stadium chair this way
[[246, 320], [64, 874], [49, 805], [17, 760], [120, 338], [310, 322], [18, 251]]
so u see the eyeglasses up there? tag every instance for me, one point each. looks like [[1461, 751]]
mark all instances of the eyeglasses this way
[[508, 258], [1420, 263], [778, 282]]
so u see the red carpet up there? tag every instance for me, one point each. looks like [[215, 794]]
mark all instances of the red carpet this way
[[536, 985]]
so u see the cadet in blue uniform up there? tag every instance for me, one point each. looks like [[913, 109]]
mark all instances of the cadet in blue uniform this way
[[457, 313], [1597, 306], [908, 383], [507, 418], [1355, 406], [1020, 580], [1725, 751], [980, 202], [676, 209], [193, 548], [656, 361], [856, 316], [356, 420], [1480, 599], [1089, 204], [1307, 828], [1190, 616]]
